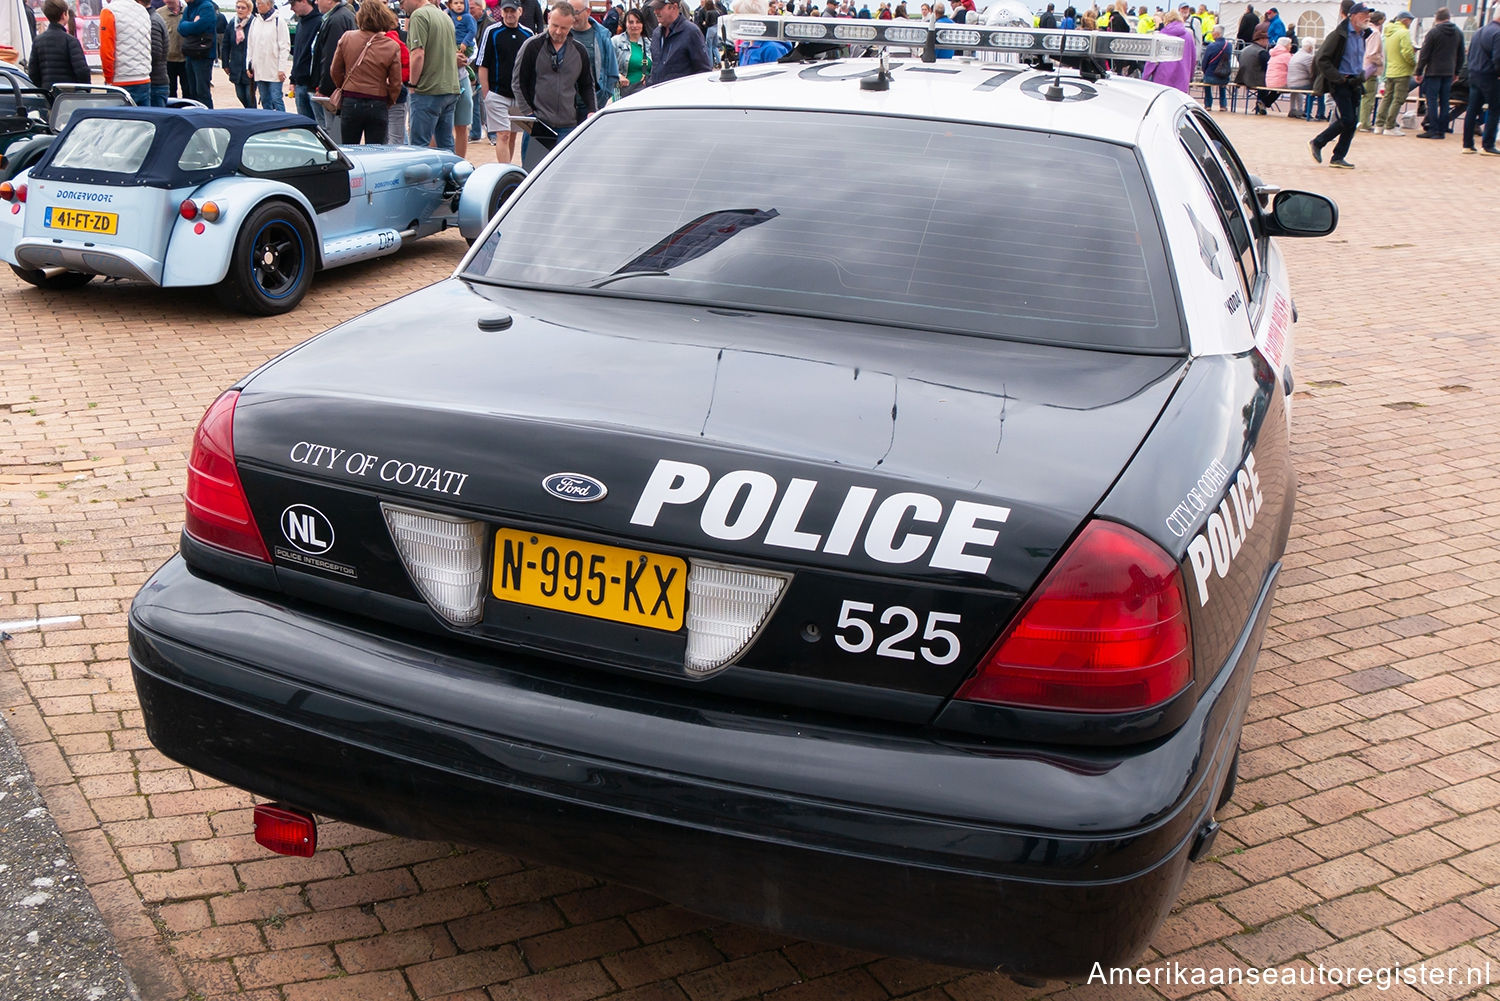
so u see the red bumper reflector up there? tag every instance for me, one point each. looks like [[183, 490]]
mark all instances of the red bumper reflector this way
[[285, 831]]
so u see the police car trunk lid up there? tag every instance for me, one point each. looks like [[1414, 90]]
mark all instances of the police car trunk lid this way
[[867, 464]]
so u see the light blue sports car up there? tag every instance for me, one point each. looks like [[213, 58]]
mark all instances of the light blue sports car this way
[[251, 202]]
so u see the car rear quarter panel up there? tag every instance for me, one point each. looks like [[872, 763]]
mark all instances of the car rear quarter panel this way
[[1214, 486], [203, 259]]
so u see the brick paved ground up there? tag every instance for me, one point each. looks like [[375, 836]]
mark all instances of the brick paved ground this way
[[1366, 829]]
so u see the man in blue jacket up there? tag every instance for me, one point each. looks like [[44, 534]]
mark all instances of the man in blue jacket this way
[[1484, 85], [677, 47], [1275, 28], [198, 28]]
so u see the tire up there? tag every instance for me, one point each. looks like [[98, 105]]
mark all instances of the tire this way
[[1230, 781], [60, 281], [273, 261], [507, 187]]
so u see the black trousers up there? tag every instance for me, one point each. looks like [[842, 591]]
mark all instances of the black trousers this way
[[176, 76], [1346, 99], [362, 120], [1484, 100]]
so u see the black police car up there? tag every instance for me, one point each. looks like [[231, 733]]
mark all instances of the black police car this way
[[858, 522]]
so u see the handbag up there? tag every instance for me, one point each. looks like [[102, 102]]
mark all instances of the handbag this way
[[336, 101]]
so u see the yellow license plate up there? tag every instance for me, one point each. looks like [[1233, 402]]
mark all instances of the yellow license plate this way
[[107, 223], [602, 582]]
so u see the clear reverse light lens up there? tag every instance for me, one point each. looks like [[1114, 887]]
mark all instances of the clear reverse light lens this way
[[726, 608], [445, 558]]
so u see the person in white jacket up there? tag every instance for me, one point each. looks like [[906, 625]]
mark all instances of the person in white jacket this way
[[268, 54]]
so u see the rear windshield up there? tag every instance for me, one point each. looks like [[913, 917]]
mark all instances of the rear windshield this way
[[106, 144], [977, 229]]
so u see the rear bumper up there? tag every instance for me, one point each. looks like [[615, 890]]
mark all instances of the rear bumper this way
[[891, 840], [113, 262]]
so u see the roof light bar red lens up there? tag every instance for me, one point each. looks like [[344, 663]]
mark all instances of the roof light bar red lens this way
[[1107, 631], [217, 510], [285, 831]]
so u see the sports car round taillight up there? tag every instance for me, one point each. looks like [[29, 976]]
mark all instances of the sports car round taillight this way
[[188, 209], [218, 512], [12, 192], [1107, 631], [210, 211]]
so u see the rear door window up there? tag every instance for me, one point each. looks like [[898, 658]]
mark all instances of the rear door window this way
[[936, 225]]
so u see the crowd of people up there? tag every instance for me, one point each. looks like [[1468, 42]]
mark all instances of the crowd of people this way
[[447, 72], [1366, 67]]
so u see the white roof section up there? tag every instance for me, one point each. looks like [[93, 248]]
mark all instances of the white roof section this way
[[960, 89]]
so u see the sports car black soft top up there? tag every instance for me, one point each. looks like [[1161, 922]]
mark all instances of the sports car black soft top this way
[[164, 164]]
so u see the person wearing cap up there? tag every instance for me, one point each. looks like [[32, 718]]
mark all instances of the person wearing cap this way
[[1484, 85], [1442, 55], [1275, 27], [498, 49], [677, 47], [1400, 64], [1340, 65]]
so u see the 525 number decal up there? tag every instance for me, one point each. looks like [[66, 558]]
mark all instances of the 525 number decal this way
[[856, 634]]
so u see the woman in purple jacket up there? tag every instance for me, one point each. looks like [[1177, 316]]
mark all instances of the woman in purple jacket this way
[[1179, 72]]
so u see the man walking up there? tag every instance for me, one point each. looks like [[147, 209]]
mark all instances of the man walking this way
[[434, 73], [1484, 85], [552, 80], [1340, 64], [337, 19], [199, 27], [1442, 55], [125, 48], [1400, 63], [676, 45], [304, 80], [498, 48]]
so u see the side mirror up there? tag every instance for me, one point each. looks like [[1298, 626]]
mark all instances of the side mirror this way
[[1301, 213]]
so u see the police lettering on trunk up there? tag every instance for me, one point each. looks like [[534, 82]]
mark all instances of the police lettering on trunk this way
[[747, 503]]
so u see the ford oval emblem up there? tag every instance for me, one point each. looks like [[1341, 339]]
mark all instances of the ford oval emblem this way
[[574, 487]]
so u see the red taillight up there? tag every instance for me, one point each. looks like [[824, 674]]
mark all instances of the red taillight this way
[[285, 831], [188, 209], [217, 510], [1107, 631], [12, 192]]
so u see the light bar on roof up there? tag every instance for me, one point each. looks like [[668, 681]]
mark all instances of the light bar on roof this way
[[908, 34]]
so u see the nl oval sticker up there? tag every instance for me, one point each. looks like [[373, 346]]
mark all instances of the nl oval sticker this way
[[574, 487]]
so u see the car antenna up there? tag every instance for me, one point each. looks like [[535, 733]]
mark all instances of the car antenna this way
[[727, 56], [1054, 91], [882, 78]]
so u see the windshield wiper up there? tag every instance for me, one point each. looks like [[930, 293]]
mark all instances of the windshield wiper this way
[[601, 282]]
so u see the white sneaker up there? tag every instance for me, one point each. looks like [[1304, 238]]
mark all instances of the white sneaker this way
[[1379, 131], [1394, 132]]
